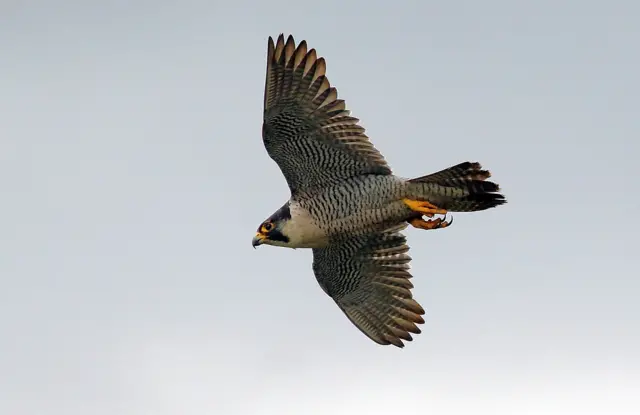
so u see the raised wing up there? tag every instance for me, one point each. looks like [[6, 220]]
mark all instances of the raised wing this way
[[368, 277], [307, 130]]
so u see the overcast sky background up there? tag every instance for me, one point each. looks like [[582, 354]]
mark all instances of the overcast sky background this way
[[133, 177]]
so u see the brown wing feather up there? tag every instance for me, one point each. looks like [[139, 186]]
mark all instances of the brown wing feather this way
[[368, 277], [303, 117]]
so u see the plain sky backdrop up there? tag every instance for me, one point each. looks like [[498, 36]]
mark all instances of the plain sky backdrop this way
[[133, 177]]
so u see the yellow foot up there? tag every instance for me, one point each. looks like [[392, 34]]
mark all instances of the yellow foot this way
[[424, 207], [430, 224]]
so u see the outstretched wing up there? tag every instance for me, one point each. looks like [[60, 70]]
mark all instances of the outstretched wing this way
[[306, 129], [368, 277]]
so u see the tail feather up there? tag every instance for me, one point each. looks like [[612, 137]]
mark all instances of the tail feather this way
[[460, 188], [466, 170]]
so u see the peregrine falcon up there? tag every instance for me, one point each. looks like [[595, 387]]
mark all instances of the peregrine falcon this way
[[346, 204]]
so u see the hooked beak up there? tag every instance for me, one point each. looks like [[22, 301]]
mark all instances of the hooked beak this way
[[257, 240]]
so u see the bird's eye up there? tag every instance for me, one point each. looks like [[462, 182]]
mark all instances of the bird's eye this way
[[267, 227]]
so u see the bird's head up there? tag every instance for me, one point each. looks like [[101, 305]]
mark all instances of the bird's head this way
[[273, 231]]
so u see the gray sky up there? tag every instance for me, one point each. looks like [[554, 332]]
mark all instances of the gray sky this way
[[133, 178]]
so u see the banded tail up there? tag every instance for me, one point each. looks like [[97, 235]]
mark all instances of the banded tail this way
[[460, 188]]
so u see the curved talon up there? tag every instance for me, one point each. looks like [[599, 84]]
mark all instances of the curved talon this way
[[438, 223], [446, 222]]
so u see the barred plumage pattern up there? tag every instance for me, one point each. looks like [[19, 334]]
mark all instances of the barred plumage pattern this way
[[368, 277], [307, 130], [345, 202], [460, 188], [361, 204]]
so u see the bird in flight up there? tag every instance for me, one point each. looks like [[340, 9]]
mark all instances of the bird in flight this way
[[346, 204]]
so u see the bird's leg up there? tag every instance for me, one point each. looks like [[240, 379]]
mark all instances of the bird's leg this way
[[424, 207], [429, 210], [430, 224]]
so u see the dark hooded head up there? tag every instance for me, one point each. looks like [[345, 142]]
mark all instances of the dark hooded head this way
[[271, 231]]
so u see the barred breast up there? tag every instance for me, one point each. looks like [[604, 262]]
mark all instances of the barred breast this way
[[354, 206]]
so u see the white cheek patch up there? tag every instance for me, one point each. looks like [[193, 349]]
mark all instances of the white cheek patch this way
[[302, 230]]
